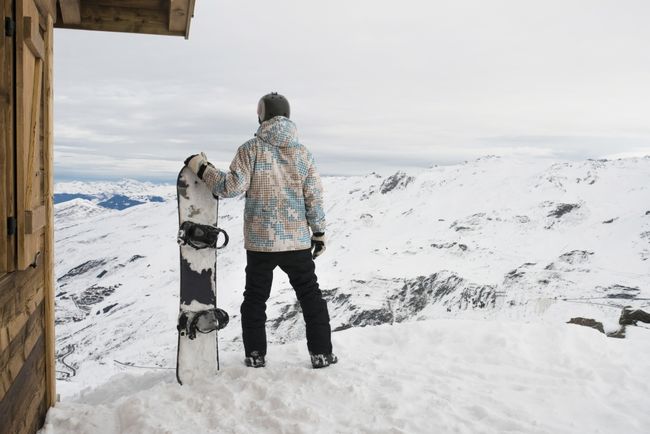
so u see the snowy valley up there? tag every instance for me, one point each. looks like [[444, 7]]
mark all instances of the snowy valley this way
[[467, 274]]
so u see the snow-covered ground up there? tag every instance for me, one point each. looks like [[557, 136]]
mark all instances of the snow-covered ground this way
[[433, 376], [468, 272]]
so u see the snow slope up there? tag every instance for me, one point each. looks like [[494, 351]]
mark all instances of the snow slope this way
[[511, 241], [442, 376]]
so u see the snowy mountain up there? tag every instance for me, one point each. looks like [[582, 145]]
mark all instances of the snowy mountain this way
[[117, 195], [500, 239]]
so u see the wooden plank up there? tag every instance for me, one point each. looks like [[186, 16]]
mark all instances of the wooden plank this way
[[178, 10], [14, 356], [160, 5], [122, 19], [16, 413], [36, 412], [70, 11], [28, 134], [15, 325], [24, 69], [33, 37], [20, 293], [33, 134], [35, 220], [7, 144], [48, 260], [47, 8]]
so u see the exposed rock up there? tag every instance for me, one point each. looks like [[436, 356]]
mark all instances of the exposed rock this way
[[562, 209], [588, 322], [576, 256], [462, 247], [630, 316], [372, 317], [515, 274], [447, 289], [622, 292], [83, 268], [397, 181], [109, 307]]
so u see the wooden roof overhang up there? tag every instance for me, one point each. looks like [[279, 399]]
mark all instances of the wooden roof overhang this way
[[155, 17]]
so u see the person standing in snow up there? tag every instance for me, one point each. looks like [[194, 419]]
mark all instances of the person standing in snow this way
[[284, 201]]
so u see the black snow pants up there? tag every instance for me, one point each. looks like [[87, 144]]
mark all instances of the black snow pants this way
[[300, 268]]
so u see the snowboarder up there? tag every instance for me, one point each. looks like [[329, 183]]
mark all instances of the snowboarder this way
[[283, 202]]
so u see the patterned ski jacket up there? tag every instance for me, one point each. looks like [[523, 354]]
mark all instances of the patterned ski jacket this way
[[284, 195]]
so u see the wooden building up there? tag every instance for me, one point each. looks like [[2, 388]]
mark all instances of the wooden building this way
[[27, 335]]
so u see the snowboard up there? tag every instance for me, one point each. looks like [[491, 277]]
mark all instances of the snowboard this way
[[199, 318]]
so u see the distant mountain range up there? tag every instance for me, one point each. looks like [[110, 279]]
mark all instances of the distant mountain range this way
[[495, 238], [116, 195]]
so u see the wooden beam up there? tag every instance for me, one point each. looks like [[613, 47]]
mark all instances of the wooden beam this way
[[47, 7], [7, 145], [48, 260], [34, 133], [178, 10], [33, 37], [133, 4], [122, 19], [70, 11], [35, 220]]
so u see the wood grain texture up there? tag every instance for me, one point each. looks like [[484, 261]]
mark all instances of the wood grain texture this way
[[35, 220], [18, 304], [13, 357], [48, 260], [29, 133], [22, 409], [70, 11], [7, 185], [178, 10], [128, 16], [33, 37], [46, 8]]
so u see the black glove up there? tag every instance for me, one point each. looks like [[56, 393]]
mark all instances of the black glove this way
[[197, 163], [318, 244]]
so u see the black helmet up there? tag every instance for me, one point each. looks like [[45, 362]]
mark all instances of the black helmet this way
[[272, 105]]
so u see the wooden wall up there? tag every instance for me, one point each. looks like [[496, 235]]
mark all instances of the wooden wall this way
[[27, 362], [27, 381], [23, 385]]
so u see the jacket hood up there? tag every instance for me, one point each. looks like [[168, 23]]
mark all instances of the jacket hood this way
[[278, 131]]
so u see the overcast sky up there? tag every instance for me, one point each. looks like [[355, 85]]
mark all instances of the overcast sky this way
[[374, 85]]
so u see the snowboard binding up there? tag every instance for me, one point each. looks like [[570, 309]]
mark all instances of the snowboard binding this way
[[201, 236], [203, 321]]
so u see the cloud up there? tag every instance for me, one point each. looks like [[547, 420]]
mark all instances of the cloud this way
[[373, 85]]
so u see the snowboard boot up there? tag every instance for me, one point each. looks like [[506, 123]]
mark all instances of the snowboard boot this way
[[322, 360], [255, 360]]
